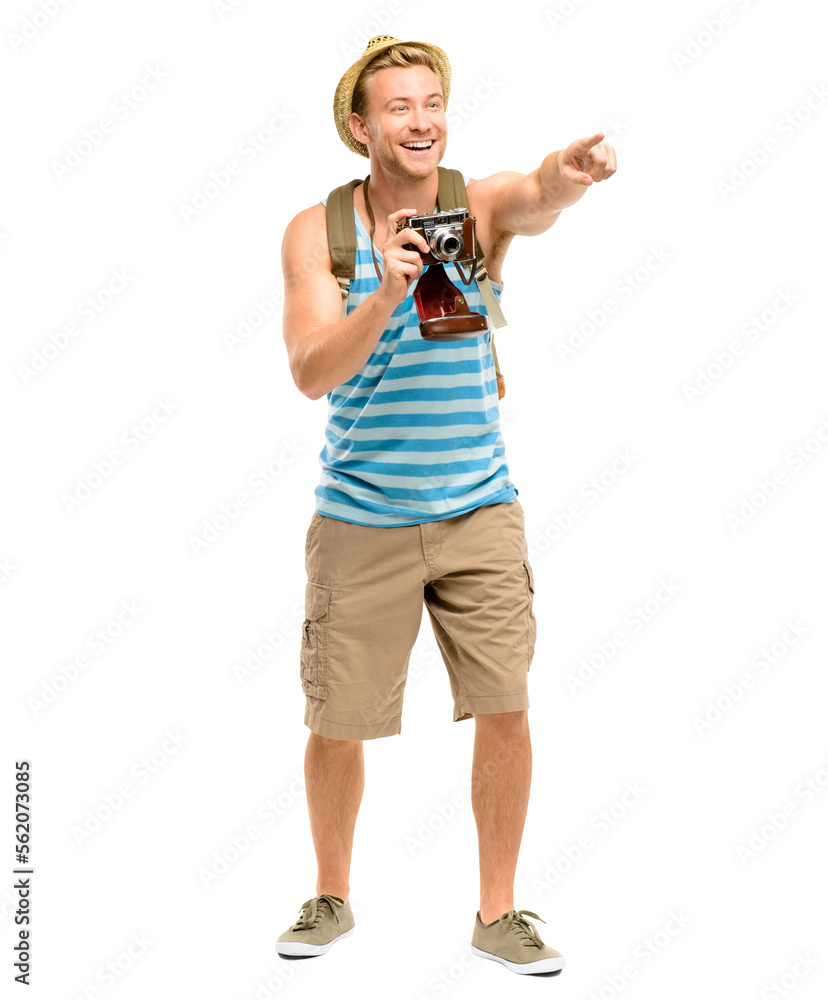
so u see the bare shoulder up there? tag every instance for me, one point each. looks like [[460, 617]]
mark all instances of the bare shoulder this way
[[484, 192], [485, 197], [305, 243]]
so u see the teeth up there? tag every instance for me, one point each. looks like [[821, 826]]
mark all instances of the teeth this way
[[417, 145]]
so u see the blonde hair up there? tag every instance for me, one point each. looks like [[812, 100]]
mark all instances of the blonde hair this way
[[396, 55]]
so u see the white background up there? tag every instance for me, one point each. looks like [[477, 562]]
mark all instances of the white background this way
[[525, 82]]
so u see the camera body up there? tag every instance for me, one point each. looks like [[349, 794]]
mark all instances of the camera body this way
[[449, 235]]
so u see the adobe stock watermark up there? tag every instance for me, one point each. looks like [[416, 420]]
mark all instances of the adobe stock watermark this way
[[384, 704], [257, 484], [7, 570], [787, 126], [782, 986], [252, 319], [34, 23], [723, 361], [260, 655], [8, 907], [130, 440], [633, 623], [140, 773], [238, 844], [461, 109], [768, 489], [274, 980], [598, 826], [425, 653], [557, 16], [249, 149], [644, 954], [776, 821], [712, 28], [734, 692], [589, 493], [224, 8], [442, 813], [90, 308], [111, 972], [613, 128], [97, 642], [580, 334], [441, 982], [119, 111], [377, 23]]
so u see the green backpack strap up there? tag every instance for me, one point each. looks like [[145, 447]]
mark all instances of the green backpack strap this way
[[451, 193], [342, 240]]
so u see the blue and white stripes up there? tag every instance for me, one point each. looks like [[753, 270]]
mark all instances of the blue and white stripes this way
[[415, 435]]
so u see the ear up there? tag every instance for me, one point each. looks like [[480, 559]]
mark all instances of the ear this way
[[358, 128]]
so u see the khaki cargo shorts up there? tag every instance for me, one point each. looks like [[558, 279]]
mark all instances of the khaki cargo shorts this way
[[364, 606]]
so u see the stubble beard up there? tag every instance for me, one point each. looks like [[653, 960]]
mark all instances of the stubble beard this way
[[394, 164]]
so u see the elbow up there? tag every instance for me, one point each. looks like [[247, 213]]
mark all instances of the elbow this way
[[307, 388], [306, 385], [302, 367], [302, 376]]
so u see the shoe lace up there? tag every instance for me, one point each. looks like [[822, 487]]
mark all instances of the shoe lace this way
[[526, 930], [312, 911]]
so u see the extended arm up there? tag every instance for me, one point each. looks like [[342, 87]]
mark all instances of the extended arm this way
[[528, 204]]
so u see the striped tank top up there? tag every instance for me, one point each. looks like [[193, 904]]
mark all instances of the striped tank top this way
[[414, 435]]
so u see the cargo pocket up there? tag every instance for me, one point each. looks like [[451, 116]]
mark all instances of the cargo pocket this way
[[314, 652], [530, 615]]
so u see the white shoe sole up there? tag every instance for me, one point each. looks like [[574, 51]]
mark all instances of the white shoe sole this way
[[302, 948], [524, 969]]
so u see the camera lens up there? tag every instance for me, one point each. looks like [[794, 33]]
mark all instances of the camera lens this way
[[446, 245]]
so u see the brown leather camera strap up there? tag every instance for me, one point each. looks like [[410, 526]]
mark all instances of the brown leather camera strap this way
[[451, 193]]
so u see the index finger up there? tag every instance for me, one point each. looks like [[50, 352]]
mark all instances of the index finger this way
[[411, 235], [589, 142], [395, 218]]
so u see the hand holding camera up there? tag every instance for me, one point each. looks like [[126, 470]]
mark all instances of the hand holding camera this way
[[449, 236], [444, 237], [402, 261]]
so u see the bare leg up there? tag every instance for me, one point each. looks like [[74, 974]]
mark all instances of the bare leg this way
[[334, 781], [501, 776]]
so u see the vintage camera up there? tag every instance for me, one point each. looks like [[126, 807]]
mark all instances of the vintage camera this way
[[441, 305], [449, 235]]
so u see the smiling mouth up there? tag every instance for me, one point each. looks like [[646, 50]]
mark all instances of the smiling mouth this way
[[420, 146]]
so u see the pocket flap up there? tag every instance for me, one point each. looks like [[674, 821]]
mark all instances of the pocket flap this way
[[317, 597]]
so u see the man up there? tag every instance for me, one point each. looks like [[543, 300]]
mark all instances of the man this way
[[415, 502]]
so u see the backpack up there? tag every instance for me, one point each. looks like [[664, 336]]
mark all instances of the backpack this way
[[342, 242]]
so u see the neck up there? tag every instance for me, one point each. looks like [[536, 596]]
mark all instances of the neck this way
[[389, 193]]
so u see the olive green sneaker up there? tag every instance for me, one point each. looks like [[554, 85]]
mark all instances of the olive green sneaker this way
[[324, 920], [514, 942]]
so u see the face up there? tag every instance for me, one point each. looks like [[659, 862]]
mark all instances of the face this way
[[405, 107]]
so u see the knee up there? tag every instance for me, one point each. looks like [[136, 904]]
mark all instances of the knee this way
[[502, 718], [506, 725], [329, 745]]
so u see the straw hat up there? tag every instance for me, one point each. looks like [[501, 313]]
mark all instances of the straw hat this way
[[344, 96]]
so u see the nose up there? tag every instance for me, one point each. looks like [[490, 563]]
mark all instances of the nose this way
[[419, 120]]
